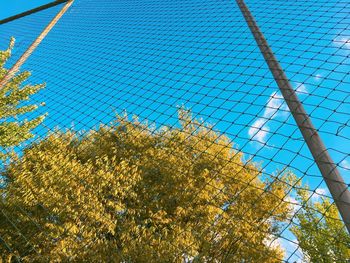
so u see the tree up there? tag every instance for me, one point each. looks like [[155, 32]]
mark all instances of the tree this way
[[13, 129], [129, 192], [321, 234]]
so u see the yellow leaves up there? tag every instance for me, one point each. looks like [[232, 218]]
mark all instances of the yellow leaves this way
[[8, 259], [141, 195], [160, 217], [72, 228]]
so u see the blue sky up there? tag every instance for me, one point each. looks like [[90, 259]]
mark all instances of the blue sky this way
[[149, 57]]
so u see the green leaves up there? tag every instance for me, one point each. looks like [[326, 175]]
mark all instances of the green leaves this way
[[5, 55], [320, 232], [13, 128]]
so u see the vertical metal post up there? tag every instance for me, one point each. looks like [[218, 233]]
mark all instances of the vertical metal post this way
[[336, 185], [15, 68]]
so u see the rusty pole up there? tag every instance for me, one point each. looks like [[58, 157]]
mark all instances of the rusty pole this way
[[335, 183]]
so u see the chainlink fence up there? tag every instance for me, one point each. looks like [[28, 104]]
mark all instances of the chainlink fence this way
[[213, 138]]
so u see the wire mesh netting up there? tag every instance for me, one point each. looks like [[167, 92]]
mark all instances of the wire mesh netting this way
[[167, 139]]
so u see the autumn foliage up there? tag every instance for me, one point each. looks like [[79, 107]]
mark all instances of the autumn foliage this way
[[131, 193]]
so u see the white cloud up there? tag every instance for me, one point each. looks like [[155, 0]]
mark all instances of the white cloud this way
[[318, 77], [275, 106], [293, 203], [319, 192], [259, 130], [301, 89], [342, 42], [289, 246], [277, 243], [274, 242], [345, 164]]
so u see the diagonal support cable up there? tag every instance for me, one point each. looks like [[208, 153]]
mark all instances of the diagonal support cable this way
[[15, 68], [32, 11]]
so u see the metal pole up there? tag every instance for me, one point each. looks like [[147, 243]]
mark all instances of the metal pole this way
[[336, 185], [15, 68]]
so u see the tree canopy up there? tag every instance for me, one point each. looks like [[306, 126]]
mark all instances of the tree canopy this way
[[129, 192]]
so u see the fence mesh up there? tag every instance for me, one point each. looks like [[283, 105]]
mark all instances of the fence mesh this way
[[214, 167]]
